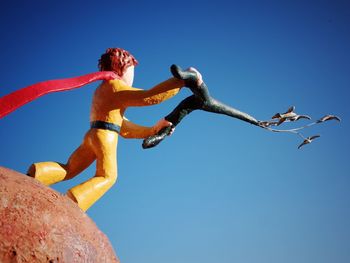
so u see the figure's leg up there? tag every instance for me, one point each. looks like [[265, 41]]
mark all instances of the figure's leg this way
[[209, 104], [215, 106], [184, 108], [104, 144], [50, 173], [80, 159], [200, 100]]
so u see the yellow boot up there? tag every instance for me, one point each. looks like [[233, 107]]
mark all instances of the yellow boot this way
[[48, 173]]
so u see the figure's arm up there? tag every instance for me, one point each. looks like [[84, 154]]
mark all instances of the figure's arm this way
[[135, 131], [138, 97]]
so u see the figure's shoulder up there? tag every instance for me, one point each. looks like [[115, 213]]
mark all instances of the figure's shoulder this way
[[115, 84]]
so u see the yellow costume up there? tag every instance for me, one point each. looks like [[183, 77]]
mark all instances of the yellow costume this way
[[110, 101]]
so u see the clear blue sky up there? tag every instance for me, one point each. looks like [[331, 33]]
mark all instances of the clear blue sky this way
[[218, 190]]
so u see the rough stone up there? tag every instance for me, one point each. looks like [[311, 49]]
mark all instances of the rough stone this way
[[38, 224]]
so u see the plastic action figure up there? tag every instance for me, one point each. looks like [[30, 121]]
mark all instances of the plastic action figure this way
[[113, 96], [201, 100]]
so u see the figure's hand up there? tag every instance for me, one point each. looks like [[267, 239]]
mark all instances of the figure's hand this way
[[199, 75], [163, 123]]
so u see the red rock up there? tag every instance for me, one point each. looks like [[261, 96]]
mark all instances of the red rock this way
[[38, 224]]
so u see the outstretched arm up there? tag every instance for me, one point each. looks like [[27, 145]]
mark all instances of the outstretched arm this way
[[134, 131], [138, 97]]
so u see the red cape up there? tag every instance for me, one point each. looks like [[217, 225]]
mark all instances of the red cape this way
[[20, 97]]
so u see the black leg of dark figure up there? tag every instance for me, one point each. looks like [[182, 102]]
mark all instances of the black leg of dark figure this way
[[200, 100], [209, 104], [185, 107], [215, 106], [190, 104]]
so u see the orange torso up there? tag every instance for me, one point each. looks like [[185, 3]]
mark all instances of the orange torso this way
[[107, 103]]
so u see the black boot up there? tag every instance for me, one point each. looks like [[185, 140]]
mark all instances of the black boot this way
[[190, 77], [191, 81], [154, 140]]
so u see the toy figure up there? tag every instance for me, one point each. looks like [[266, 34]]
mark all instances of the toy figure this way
[[113, 96], [201, 100]]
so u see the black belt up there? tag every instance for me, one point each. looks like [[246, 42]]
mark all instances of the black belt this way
[[105, 126]]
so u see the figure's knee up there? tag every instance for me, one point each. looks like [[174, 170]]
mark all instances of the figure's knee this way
[[107, 171], [111, 178], [71, 171], [209, 103]]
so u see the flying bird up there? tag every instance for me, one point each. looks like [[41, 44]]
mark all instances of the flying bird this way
[[328, 118], [308, 140], [289, 115]]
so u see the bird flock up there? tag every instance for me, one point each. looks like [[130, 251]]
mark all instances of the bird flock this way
[[291, 116]]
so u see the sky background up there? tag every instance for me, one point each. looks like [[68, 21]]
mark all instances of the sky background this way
[[218, 190]]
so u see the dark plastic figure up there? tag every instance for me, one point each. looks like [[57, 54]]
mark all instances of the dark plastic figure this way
[[201, 100]]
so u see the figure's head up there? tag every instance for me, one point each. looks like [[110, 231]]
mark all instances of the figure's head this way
[[117, 60]]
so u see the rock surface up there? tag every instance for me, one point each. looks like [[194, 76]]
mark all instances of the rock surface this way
[[38, 224]]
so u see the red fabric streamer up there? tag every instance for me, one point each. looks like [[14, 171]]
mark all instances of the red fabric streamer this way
[[20, 97]]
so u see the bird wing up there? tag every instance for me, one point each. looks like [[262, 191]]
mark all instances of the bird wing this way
[[281, 121], [314, 137], [304, 142], [303, 117], [328, 118], [291, 109]]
